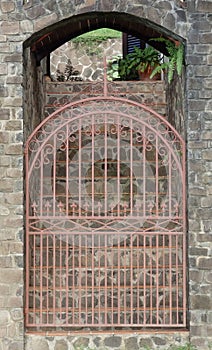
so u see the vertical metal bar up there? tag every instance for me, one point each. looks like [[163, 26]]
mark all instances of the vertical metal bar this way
[[105, 286], [131, 277], [105, 160], [157, 279], [144, 279], [86, 279], [54, 177], [34, 278], [93, 279], [54, 279], [118, 164], [60, 275], [177, 251], [170, 278], [156, 176], [41, 183], [138, 269], [80, 278], [67, 170], [124, 282], [144, 171], [27, 262], [41, 278], [80, 166], [67, 277], [92, 165], [170, 184], [164, 281], [73, 278], [131, 168], [112, 289], [47, 279], [99, 278], [119, 280], [151, 276]]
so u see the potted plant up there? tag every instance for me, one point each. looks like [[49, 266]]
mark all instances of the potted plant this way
[[175, 61], [140, 63]]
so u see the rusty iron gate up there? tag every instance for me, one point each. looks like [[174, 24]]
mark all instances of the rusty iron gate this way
[[105, 219]]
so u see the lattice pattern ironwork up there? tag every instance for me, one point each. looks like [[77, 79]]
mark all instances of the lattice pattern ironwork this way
[[105, 218]]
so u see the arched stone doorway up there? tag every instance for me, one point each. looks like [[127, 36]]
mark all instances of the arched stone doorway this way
[[39, 46], [36, 49]]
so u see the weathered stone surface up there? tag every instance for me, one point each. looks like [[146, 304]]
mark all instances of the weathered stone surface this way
[[113, 341], [131, 343], [204, 263], [61, 345], [4, 317], [37, 344], [82, 342], [146, 342], [201, 302], [190, 20]]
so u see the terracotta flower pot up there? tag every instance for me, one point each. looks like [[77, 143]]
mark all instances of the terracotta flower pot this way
[[146, 74]]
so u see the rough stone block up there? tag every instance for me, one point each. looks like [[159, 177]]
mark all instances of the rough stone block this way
[[197, 105], [204, 6], [17, 314], [10, 27], [4, 317], [7, 6], [37, 343], [146, 342], [195, 276], [14, 149], [11, 275], [4, 113], [45, 21], [13, 302], [208, 83], [207, 155], [159, 340], [113, 341], [205, 38], [206, 202], [13, 125], [81, 342], [6, 261], [61, 345], [201, 302], [131, 343], [198, 251], [204, 263], [6, 185]]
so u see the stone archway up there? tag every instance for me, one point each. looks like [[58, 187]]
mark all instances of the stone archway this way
[[36, 49], [43, 42]]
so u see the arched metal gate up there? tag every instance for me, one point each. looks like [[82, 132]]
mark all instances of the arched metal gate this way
[[105, 223]]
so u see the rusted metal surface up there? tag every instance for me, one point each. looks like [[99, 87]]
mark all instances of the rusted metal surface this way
[[105, 221]]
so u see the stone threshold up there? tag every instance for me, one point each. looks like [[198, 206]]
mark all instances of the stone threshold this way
[[169, 331]]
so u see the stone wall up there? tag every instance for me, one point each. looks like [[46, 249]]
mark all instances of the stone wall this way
[[199, 158], [189, 19], [146, 340], [87, 58], [150, 93]]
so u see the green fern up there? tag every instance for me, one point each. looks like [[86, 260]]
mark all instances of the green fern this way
[[176, 58]]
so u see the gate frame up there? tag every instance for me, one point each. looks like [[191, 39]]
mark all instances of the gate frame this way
[[183, 174]]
